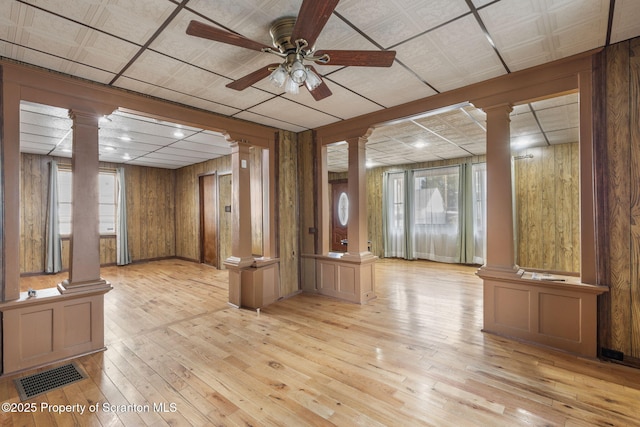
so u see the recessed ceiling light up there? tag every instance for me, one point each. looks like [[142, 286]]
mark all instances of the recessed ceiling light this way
[[178, 134], [522, 142], [420, 144], [125, 138], [109, 148], [126, 156]]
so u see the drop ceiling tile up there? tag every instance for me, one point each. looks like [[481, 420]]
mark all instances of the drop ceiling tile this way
[[560, 117], [270, 121], [556, 101], [134, 21], [153, 68], [195, 147], [54, 63], [390, 22], [216, 57], [63, 38], [386, 86], [156, 163], [452, 56], [523, 124], [626, 17], [529, 33], [210, 138], [188, 157], [293, 112], [251, 18], [343, 104], [214, 107], [481, 3], [119, 123], [477, 149], [177, 81], [528, 140], [564, 136]]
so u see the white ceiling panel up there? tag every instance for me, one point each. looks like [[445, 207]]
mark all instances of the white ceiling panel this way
[[291, 113], [453, 56], [387, 87], [135, 21], [531, 32], [625, 20], [64, 38]]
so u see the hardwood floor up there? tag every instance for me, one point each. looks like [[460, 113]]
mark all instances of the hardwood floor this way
[[413, 356]]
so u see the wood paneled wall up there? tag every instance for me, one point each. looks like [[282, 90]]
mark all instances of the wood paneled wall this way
[[618, 193], [187, 192], [547, 203], [150, 214], [257, 232], [287, 211], [34, 184], [307, 191], [226, 218]]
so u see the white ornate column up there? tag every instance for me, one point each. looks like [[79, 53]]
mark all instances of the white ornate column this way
[[84, 266]]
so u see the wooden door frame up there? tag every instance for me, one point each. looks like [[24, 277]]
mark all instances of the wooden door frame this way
[[201, 213], [332, 208]]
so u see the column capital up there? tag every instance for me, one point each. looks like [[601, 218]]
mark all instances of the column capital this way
[[506, 108], [86, 118]]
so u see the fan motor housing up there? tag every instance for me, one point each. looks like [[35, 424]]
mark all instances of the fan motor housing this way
[[280, 32]]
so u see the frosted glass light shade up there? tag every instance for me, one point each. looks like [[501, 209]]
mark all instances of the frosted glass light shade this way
[[291, 87], [313, 80], [278, 76], [298, 73]]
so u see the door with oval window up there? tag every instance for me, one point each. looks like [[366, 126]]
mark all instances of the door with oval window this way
[[340, 215]]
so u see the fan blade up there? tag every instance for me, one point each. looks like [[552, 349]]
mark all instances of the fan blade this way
[[312, 18], [358, 58], [205, 31], [322, 91], [246, 81]]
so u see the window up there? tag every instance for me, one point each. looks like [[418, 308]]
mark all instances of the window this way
[[435, 226], [106, 200], [479, 183], [395, 237], [437, 213]]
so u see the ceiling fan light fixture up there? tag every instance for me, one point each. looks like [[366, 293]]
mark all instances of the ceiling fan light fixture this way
[[291, 87], [298, 73], [313, 80], [279, 76]]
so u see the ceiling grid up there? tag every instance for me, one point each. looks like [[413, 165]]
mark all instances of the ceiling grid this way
[[440, 45]]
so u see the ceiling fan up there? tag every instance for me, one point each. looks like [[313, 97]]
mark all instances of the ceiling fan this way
[[294, 41]]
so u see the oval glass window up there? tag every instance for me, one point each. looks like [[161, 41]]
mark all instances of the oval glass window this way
[[343, 209]]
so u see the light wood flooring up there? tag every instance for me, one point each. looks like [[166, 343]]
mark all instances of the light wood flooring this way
[[413, 356]]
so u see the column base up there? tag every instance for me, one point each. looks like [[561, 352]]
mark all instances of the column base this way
[[358, 257], [67, 287], [238, 262], [503, 272], [349, 278]]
